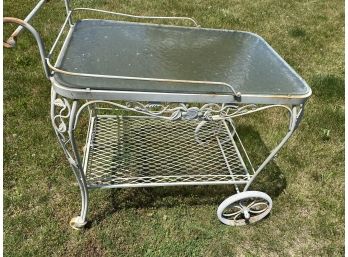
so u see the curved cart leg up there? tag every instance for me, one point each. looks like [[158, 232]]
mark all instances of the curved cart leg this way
[[63, 115], [295, 118], [251, 206]]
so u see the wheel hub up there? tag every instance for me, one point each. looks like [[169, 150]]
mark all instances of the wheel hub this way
[[246, 213]]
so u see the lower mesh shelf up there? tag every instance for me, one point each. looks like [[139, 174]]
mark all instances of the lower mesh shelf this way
[[143, 151]]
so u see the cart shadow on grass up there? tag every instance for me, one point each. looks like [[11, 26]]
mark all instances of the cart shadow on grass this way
[[271, 180]]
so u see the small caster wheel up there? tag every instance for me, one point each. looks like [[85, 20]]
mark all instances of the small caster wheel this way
[[244, 208], [77, 223]]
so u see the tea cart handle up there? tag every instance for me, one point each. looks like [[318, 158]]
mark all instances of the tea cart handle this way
[[10, 43], [12, 39]]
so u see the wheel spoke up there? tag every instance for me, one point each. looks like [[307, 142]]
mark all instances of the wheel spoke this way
[[241, 205], [256, 211], [251, 204], [234, 213], [231, 214], [235, 218]]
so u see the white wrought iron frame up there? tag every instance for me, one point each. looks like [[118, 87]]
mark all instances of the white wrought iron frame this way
[[67, 106], [65, 114]]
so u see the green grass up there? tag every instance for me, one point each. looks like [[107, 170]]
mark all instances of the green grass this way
[[306, 182]]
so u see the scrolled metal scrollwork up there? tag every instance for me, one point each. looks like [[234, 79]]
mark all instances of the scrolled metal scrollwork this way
[[186, 112], [61, 113], [181, 111], [63, 110]]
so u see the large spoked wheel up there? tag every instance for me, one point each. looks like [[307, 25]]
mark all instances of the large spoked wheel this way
[[244, 208]]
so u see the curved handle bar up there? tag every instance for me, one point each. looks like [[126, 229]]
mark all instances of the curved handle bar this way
[[10, 43], [138, 16], [33, 12]]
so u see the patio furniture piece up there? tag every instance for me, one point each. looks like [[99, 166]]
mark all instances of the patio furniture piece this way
[[163, 104]]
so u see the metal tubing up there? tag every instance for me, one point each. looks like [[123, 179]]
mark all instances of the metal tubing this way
[[78, 169], [234, 144], [242, 146], [241, 113], [12, 39], [114, 104], [37, 38], [90, 94], [293, 118], [59, 35], [299, 115], [169, 184], [137, 16], [53, 97], [68, 11], [87, 144], [235, 93], [74, 158], [226, 160]]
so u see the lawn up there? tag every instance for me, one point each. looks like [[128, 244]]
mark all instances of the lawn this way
[[306, 182]]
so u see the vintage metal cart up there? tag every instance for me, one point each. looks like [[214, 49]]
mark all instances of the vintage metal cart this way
[[162, 103]]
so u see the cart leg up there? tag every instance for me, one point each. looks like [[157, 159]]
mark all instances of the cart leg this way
[[251, 206], [63, 115], [294, 120], [79, 222]]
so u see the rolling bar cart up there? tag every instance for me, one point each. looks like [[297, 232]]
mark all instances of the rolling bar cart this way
[[162, 103]]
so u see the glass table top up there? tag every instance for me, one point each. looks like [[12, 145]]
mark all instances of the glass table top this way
[[241, 59]]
